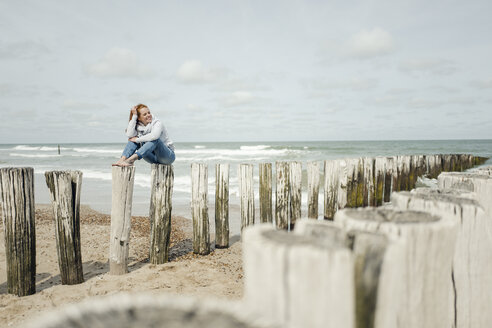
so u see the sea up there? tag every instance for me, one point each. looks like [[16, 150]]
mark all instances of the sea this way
[[95, 159]]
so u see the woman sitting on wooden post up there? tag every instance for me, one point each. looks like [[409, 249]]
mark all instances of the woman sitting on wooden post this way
[[147, 139]]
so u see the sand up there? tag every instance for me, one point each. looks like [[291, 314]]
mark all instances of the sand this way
[[217, 275]]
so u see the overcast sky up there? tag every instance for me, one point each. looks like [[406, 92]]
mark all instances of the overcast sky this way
[[246, 70]]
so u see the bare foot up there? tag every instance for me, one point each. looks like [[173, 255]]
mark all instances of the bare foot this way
[[118, 163], [126, 163]]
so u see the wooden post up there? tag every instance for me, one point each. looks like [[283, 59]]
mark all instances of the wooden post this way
[[199, 208], [162, 178], [472, 264], [282, 195], [426, 261], [331, 185], [352, 182], [295, 169], [222, 205], [297, 281], [121, 212], [137, 310], [265, 192], [246, 194], [480, 184], [64, 189], [369, 163], [379, 179], [313, 189], [377, 269], [388, 179], [17, 192]]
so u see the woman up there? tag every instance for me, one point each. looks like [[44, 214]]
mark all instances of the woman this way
[[147, 139]]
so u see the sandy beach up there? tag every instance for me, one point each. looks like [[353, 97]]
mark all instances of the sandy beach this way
[[217, 275]]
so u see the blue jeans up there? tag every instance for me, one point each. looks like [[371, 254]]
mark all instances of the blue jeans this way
[[154, 152]]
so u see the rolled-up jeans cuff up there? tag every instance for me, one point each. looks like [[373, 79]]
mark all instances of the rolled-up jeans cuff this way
[[138, 154]]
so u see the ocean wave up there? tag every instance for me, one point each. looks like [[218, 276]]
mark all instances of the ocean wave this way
[[199, 147], [98, 150], [39, 148], [34, 155], [258, 147], [236, 152], [99, 175]]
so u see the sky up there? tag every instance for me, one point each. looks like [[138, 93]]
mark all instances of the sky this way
[[235, 70]]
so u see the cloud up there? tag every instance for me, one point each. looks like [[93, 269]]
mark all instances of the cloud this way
[[482, 84], [144, 97], [193, 71], [238, 98], [71, 104], [428, 66], [320, 86], [119, 63], [370, 43], [23, 50]]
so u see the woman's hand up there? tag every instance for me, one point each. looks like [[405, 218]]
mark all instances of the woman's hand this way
[[132, 139], [134, 110]]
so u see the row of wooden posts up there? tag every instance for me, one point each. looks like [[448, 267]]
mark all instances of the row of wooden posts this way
[[349, 180], [424, 261]]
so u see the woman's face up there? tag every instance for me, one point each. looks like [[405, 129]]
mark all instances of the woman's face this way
[[145, 117]]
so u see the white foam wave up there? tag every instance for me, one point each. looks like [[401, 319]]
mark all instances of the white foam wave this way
[[34, 155], [234, 152], [39, 148], [24, 147], [99, 175], [98, 150], [258, 147], [199, 147]]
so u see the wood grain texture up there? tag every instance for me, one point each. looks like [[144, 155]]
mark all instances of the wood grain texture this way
[[313, 189], [162, 181], [472, 264], [222, 205], [121, 212], [199, 208], [17, 190], [246, 195], [266, 204], [65, 187]]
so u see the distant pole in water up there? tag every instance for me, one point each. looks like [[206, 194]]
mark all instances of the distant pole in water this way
[[58, 149]]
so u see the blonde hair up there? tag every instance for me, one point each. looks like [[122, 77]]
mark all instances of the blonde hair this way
[[139, 108]]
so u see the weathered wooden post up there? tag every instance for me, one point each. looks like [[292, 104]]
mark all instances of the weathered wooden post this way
[[64, 189], [162, 178], [221, 205], [199, 208], [121, 213], [426, 261], [331, 187], [17, 192], [480, 184], [379, 179], [295, 178], [138, 310], [388, 179], [297, 281], [266, 205], [282, 195], [472, 264], [313, 189], [246, 194], [368, 181], [377, 269]]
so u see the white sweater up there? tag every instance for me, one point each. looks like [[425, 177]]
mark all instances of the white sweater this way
[[149, 132]]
